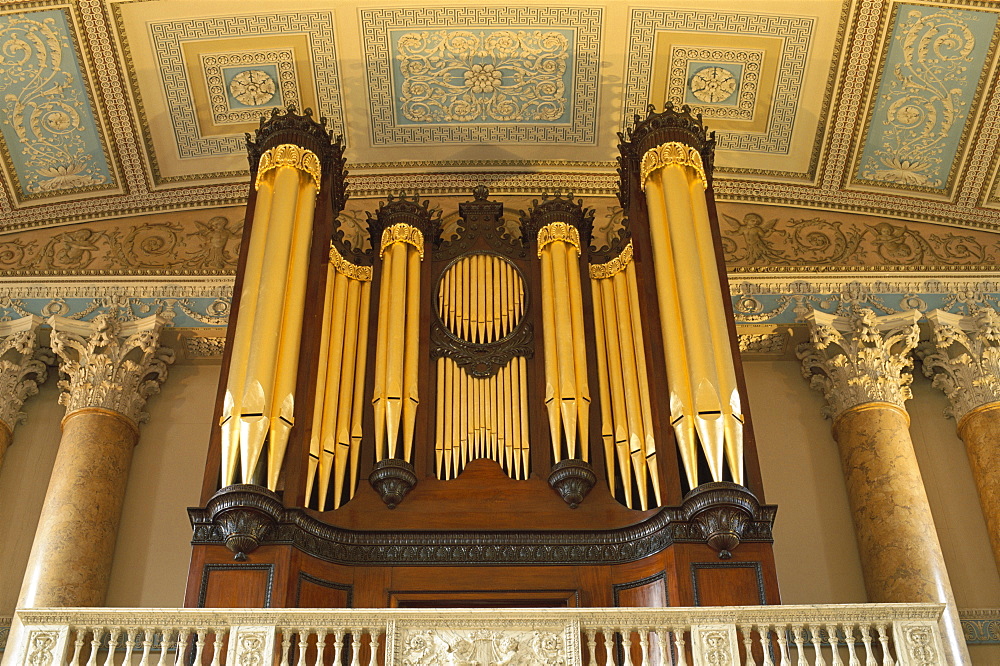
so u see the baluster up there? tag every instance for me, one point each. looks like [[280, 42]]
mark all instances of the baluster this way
[[338, 646], [851, 651], [147, 645], [81, 633], [609, 640], [373, 635], [883, 638], [831, 631], [356, 647], [165, 643], [764, 636], [644, 645], [626, 645], [220, 637], [800, 646], [183, 635], [95, 644], [129, 645], [286, 644], [199, 645], [866, 638], [679, 645], [303, 646], [661, 640], [112, 646], [320, 645], [782, 633], [747, 630], [814, 638], [592, 647]]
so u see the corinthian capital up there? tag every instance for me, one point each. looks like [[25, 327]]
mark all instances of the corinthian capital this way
[[20, 370], [966, 361], [109, 363], [861, 358]]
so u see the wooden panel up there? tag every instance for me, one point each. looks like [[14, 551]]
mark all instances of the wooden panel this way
[[649, 592], [236, 586], [314, 592], [727, 583]]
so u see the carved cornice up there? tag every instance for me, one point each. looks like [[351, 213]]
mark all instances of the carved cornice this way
[[21, 371], [557, 218], [966, 363], [110, 364], [402, 212], [353, 271], [401, 233], [480, 219], [297, 528], [614, 265], [667, 154], [860, 359], [290, 155]]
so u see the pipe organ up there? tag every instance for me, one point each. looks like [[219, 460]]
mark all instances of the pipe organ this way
[[449, 376]]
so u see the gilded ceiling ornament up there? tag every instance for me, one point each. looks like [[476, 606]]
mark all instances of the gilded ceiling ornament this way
[[20, 369], [713, 84], [353, 271], [253, 87], [860, 359], [288, 154], [616, 265], [672, 152], [558, 231], [966, 362], [402, 233], [101, 367]]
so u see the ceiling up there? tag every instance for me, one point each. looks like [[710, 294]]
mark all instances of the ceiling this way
[[116, 108]]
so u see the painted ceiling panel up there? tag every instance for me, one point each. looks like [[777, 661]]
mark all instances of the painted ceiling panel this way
[[51, 139], [933, 75]]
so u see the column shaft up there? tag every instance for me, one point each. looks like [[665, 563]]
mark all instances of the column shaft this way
[[70, 561], [980, 430]]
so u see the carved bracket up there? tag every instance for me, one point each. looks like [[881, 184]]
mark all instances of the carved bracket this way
[[392, 479], [723, 512], [245, 514], [572, 479]]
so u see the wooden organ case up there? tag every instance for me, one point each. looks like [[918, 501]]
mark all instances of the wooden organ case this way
[[496, 415]]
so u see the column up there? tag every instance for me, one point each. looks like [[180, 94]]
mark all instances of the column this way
[[860, 364], [111, 367], [966, 366], [20, 373]]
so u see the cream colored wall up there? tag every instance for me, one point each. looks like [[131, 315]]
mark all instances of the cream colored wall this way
[[24, 478]]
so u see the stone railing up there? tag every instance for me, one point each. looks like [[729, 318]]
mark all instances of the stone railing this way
[[865, 634]]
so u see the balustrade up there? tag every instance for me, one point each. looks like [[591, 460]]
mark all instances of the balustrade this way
[[843, 635]]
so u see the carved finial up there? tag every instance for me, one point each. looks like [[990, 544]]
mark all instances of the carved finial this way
[[480, 193], [859, 359]]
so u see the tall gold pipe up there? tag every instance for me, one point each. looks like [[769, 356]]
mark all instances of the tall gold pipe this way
[[579, 350], [630, 378], [381, 360], [672, 330], [258, 387], [465, 266], [411, 362], [489, 286], [732, 412], [523, 390], [457, 410], [616, 378], [359, 384], [328, 444], [464, 407], [504, 285], [320, 396], [568, 392], [282, 413], [644, 398], [553, 396], [346, 387], [241, 339], [395, 347], [603, 382], [439, 419]]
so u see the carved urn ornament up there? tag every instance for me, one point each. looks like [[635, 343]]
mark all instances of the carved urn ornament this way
[[244, 514], [392, 479], [723, 511]]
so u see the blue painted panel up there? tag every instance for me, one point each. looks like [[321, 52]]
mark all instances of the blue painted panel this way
[[48, 123], [932, 70], [256, 86], [735, 69], [480, 75]]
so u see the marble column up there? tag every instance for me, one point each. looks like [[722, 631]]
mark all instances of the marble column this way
[[965, 364], [111, 367], [860, 364], [21, 371]]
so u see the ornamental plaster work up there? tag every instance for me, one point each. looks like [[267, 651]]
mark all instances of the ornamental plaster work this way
[[965, 361], [21, 371], [512, 641]]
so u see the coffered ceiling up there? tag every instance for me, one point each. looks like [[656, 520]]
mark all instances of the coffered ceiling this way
[[115, 108]]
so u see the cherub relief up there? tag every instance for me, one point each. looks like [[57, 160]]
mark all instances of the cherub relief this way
[[755, 232], [215, 236], [73, 249]]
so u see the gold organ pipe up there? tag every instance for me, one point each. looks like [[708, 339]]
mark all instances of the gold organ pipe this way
[[241, 339], [672, 330], [732, 413], [258, 386], [359, 384], [315, 440], [282, 412], [616, 376], [523, 391], [697, 328], [395, 347], [346, 388], [439, 420], [568, 392], [633, 404], [381, 344], [488, 287], [553, 397], [328, 444], [603, 382], [644, 398], [504, 287], [464, 404], [579, 350], [466, 269], [411, 362]]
